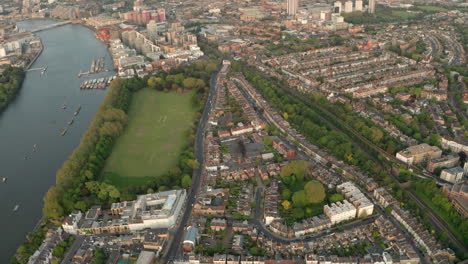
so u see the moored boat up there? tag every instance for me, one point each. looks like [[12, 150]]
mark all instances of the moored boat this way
[[77, 110]]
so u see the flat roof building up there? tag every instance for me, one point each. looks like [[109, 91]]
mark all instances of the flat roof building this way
[[452, 175], [364, 207], [418, 153], [155, 210], [190, 239], [340, 211], [146, 257]]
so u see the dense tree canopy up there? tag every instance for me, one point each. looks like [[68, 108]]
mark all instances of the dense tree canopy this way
[[315, 192], [297, 168], [10, 82]]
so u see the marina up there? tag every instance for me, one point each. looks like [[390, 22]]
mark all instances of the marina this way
[[97, 66], [100, 83]]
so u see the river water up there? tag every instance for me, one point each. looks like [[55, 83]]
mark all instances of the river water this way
[[36, 117]]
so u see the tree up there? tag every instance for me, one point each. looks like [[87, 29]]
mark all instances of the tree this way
[[88, 175], [99, 256], [190, 83], [113, 192], [299, 199], [58, 251], [114, 114], [286, 194], [81, 205], [112, 129], [155, 83], [443, 235], [285, 116], [211, 67], [286, 204], [186, 181], [434, 140], [336, 198], [296, 167], [175, 172], [315, 192], [376, 134], [298, 213], [52, 207], [194, 164]]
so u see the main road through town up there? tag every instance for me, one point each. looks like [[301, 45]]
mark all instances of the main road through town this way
[[36, 117], [175, 244]]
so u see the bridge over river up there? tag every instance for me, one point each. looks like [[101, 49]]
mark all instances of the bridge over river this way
[[59, 24]]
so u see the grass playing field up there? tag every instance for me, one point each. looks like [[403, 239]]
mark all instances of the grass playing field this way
[[431, 8], [153, 138]]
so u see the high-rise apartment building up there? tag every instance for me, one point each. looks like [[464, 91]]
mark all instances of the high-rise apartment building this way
[[293, 5], [152, 29], [337, 7], [358, 5], [348, 7], [371, 8]]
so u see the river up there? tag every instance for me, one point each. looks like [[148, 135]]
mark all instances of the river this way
[[36, 117]]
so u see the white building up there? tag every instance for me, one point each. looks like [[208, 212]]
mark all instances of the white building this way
[[348, 8], [146, 257], [358, 5], [70, 225], [323, 15], [418, 153], [336, 18], [340, 211], [3, 52], [453, 145], [452, 175], [337, 7], [292, 7], [371, 8], [152, 29], [364, 207], [155, 210]]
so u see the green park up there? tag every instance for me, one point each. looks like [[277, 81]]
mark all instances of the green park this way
[[302, 196], [153, 139]]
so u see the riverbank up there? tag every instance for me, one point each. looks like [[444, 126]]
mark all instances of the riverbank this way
[[35, 57]]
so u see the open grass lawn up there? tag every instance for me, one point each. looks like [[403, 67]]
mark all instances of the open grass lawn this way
[[429, 8], [152, 141], [403, 14]]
